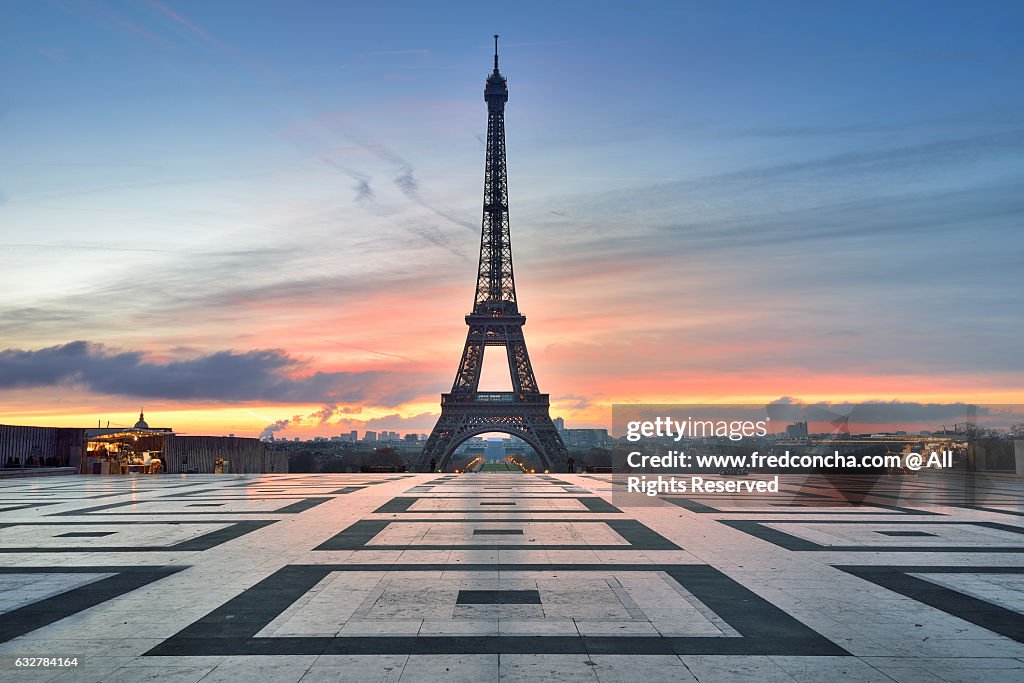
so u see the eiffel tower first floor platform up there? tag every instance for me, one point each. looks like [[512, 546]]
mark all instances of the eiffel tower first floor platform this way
[[525, 416]]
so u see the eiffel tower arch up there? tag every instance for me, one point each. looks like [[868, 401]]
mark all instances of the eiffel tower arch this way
[[495, 321]]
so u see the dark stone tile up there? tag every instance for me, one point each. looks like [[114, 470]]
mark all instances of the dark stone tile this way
[[985, 614], [596, 504], [302, 505], [205, 542], [756, 528], [27, 618], [498, 597], [399, 504]]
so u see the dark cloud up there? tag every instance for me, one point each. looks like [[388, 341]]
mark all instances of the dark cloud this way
[[260, 375], [881, 413], [324, 415]]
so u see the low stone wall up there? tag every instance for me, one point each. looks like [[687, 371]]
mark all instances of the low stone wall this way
[[38, 472]]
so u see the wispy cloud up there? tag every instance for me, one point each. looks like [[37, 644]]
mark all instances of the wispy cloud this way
[[112, 20], [364, 192], [422, 422], [187, 24], [56, 55], [393, 53]]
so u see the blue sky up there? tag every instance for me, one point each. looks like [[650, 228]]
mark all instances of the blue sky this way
[[709, 200]]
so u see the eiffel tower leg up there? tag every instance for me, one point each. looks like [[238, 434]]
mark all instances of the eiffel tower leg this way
[[439, 446], [552, 450]]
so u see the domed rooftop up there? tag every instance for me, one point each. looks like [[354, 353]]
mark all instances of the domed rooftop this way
[[141, 424]]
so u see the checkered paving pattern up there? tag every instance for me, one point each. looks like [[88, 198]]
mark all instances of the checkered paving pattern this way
[[508, 577]]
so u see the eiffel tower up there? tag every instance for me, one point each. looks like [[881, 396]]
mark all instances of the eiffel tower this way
[[495, 321]]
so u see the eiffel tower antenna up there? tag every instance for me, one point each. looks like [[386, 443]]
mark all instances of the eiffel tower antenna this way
[[495, 321]]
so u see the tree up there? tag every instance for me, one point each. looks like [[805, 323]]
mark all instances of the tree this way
[[334, 464], [302, 462], [384, 457], [969, 430], [601, 457]]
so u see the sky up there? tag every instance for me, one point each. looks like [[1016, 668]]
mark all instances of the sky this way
[[264, 216]]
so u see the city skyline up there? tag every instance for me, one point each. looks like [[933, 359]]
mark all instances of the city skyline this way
[[239, 224]]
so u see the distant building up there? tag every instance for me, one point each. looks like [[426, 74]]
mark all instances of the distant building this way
[[474, 445], [121, 450], [370, 437], [559, 424], [494, 450], [584, 438], [797, 430]]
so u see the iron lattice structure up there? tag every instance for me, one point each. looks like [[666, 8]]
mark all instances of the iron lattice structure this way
[[495, 321]]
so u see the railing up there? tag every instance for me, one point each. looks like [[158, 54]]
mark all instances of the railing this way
[[494, 397]]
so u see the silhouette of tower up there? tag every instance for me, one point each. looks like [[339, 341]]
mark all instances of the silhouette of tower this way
[[495, 321]]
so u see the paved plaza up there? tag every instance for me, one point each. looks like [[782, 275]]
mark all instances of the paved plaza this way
[[511, 577]]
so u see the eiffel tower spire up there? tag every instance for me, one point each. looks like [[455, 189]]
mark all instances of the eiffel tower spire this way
[[495, 321]]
